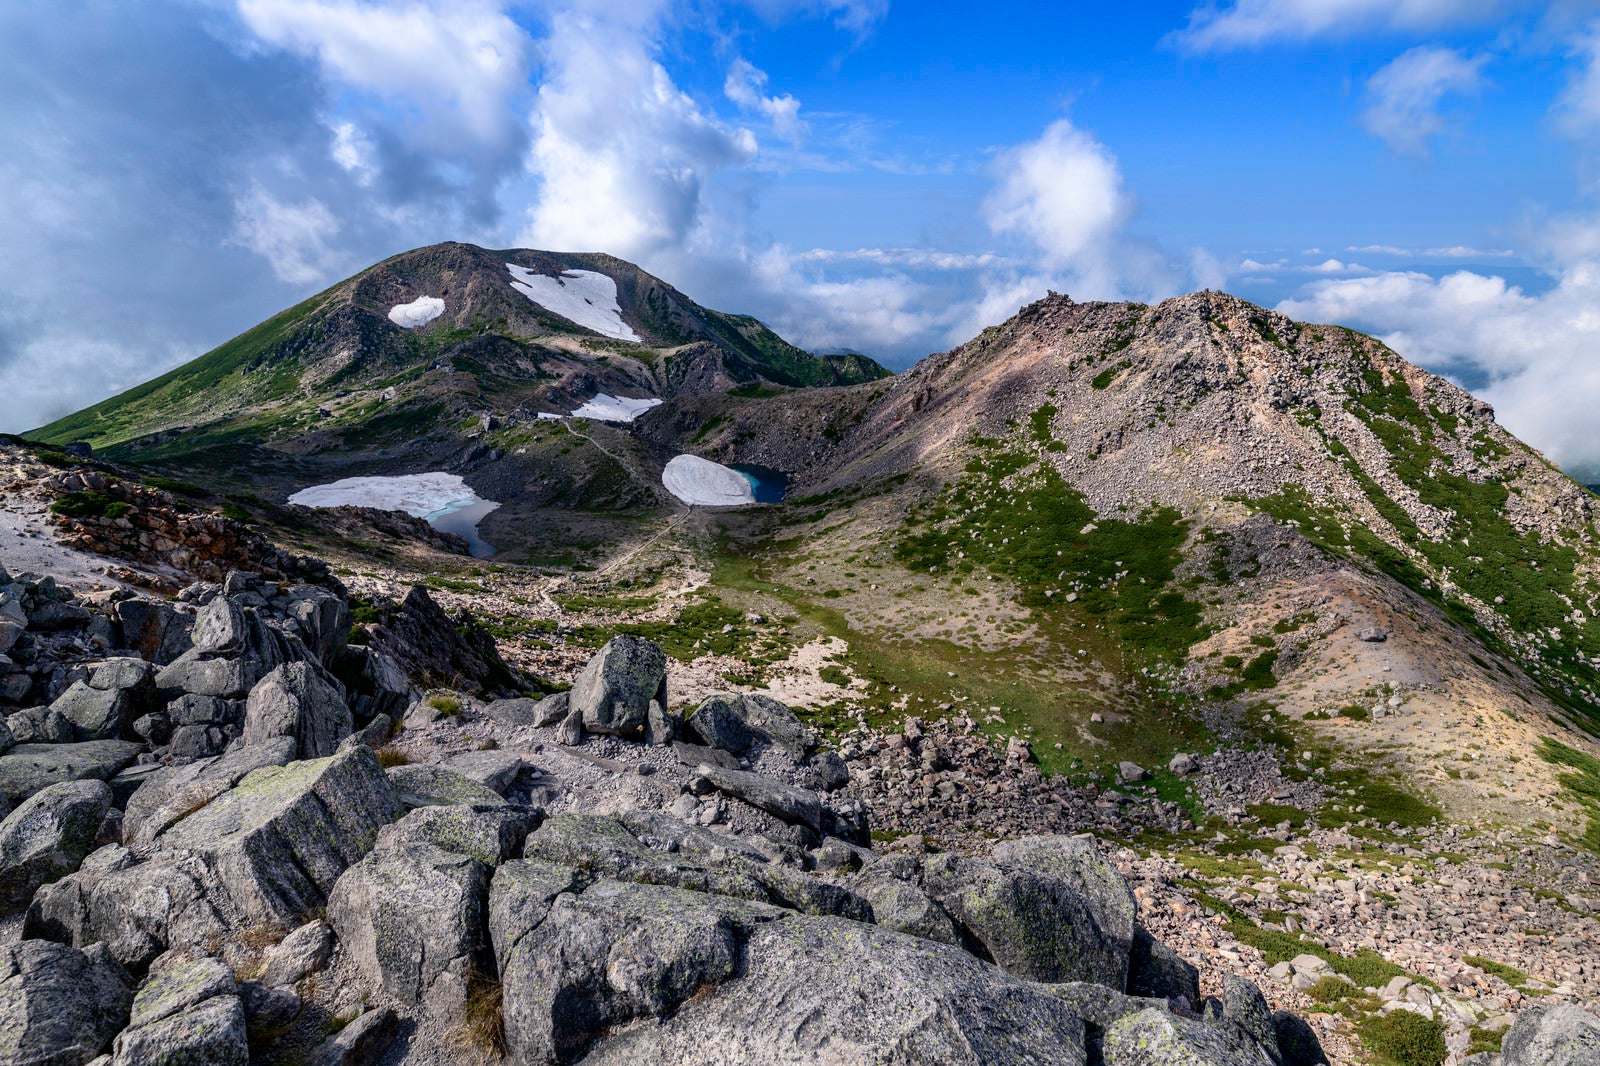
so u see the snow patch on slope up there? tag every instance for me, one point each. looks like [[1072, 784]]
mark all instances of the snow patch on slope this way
[[586, 297], [608, 408], [700, 481], [418, 312], [420, 495]]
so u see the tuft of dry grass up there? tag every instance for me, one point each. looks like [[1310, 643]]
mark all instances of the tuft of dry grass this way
[[389, 755], [484, 1029]]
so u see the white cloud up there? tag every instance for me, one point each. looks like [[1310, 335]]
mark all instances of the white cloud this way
[[292, 237], [1405, 95], [1249, 23], [1457, 251], [457, 64], [624, 157], [1538, 351], [911, 258], [856, 16], [1063, 193], [746, 86], [352, 150]]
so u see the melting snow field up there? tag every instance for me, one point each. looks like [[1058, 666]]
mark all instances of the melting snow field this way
[[700, 481], [418, 312], [442, 500], [607, 408], [582, 296]]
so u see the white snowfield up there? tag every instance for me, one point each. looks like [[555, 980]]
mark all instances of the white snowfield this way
[[700, 481], [586, 297], [422, 495], [607, 408], [418, 312]]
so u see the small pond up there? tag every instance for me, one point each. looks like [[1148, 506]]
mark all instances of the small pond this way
[[768, 485], [462, 519], [442, 500]]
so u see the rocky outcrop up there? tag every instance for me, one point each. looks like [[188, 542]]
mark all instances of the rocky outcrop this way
[[434, 650], [186, 1011], [59, 1005], [302, 701], [48, 836], [261, 853], [614, 691]]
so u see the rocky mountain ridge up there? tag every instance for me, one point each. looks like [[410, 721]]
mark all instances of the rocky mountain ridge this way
[[1294, 622], [341, 372]]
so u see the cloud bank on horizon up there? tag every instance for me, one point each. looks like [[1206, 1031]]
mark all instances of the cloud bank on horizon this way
[[882, 178]]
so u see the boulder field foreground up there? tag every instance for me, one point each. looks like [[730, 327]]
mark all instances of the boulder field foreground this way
[[215, 850]]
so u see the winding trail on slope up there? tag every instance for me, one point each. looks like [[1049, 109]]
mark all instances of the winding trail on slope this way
[[617, 560]]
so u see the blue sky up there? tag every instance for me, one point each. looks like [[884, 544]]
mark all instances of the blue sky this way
[[872, 174]]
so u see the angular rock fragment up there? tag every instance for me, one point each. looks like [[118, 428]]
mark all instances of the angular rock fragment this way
[[613, 692], [48, 836], [187, 1011], [59, 1005], [299, 700]]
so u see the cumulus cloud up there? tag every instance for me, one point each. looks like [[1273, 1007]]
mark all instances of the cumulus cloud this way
[[746, 86], [624, 157], [1536, 350], [1405, 96], [458, 65], [1063, 194], [1250, 23]]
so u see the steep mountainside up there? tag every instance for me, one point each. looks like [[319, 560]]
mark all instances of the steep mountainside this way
[[1202, 497], [1291, 621], [442, 336]]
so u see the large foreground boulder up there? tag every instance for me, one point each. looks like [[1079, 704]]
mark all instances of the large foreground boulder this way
[[608, 955], [411, 916], [1054, 911], [261, 854], [1562, 1035], [58, 1006], [615, 689], [187, 1011], [299, 700], [829, 990], [172, 793], [47, 837]]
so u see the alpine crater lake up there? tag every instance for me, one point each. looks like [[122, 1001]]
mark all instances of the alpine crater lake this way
[[444, 501]]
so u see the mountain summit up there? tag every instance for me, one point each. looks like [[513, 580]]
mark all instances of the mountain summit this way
[[441, 334]]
